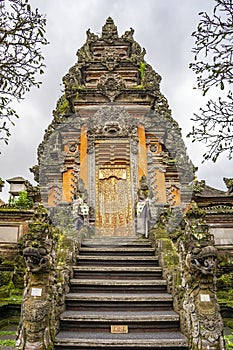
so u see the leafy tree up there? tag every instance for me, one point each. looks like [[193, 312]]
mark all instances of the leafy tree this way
[[213, 55], [21, 36]]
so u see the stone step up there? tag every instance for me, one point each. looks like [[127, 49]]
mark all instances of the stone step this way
[[120, 316], [116, 242], [115, 286], [120, 260], [128, 251], [116, 272], [117, 282], [118, 301], [98, 340], [148, 321]]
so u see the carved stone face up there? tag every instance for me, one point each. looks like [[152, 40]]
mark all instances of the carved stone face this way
[[209, 265], [111, 129], [202, 260], [36, 259]]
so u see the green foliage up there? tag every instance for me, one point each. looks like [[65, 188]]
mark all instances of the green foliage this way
[[226, 281], [22, 202], [225, 298], [5, 277], [10, 295], [213, 66], [7, 342], [22, 32], [139, 87], [228, 322], [225, 290], [63, 105], [194, 211], [142, 69], [229, 341]]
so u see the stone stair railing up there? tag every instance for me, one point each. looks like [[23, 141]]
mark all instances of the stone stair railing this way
[[49, 256], [189, 259]]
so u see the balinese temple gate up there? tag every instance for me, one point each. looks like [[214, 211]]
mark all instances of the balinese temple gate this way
[[117, 255], [112, 133]]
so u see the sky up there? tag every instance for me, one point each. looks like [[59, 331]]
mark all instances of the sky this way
[[163, 28]]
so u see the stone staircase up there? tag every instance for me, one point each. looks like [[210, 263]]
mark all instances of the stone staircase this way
[[118, 300]]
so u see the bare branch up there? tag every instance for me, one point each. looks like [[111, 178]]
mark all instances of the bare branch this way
[[213, 54], [21, 38]]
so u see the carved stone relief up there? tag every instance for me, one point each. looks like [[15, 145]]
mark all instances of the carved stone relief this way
[[134, 168], [109, 31], [151, 164], [91, 180], [110, 58], [111, 85], [112, 121]]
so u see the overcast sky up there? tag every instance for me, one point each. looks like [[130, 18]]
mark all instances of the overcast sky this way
[[163, 27]]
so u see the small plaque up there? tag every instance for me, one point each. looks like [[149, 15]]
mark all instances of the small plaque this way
[[119, 329], [204, 297], [36, 292]]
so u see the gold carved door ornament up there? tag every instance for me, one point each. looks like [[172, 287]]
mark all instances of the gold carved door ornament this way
[[114, 204]]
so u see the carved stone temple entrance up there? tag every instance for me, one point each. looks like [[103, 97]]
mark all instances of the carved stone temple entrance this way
[[111, 128]]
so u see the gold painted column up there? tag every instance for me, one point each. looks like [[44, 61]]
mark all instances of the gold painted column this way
[[142, 158], [83, 156]]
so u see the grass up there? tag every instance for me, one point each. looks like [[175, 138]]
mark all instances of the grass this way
[[7, 342]]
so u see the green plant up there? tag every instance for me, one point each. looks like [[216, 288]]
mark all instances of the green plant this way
[[7, 342], [63, 105], [229, 341], [22, 202], [2, 333], [142, 69]]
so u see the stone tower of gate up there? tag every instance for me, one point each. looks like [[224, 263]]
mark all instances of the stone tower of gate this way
[[113, 137]]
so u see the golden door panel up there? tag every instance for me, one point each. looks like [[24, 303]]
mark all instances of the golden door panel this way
[[114, 203]]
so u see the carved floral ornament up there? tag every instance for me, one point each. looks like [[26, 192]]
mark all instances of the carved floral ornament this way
[[111, 85]]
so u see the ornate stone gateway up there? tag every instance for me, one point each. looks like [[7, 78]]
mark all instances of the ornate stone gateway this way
[[113, 157], [111, 128]]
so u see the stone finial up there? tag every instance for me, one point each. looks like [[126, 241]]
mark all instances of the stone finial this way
[[17, 185], [109, 31]]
